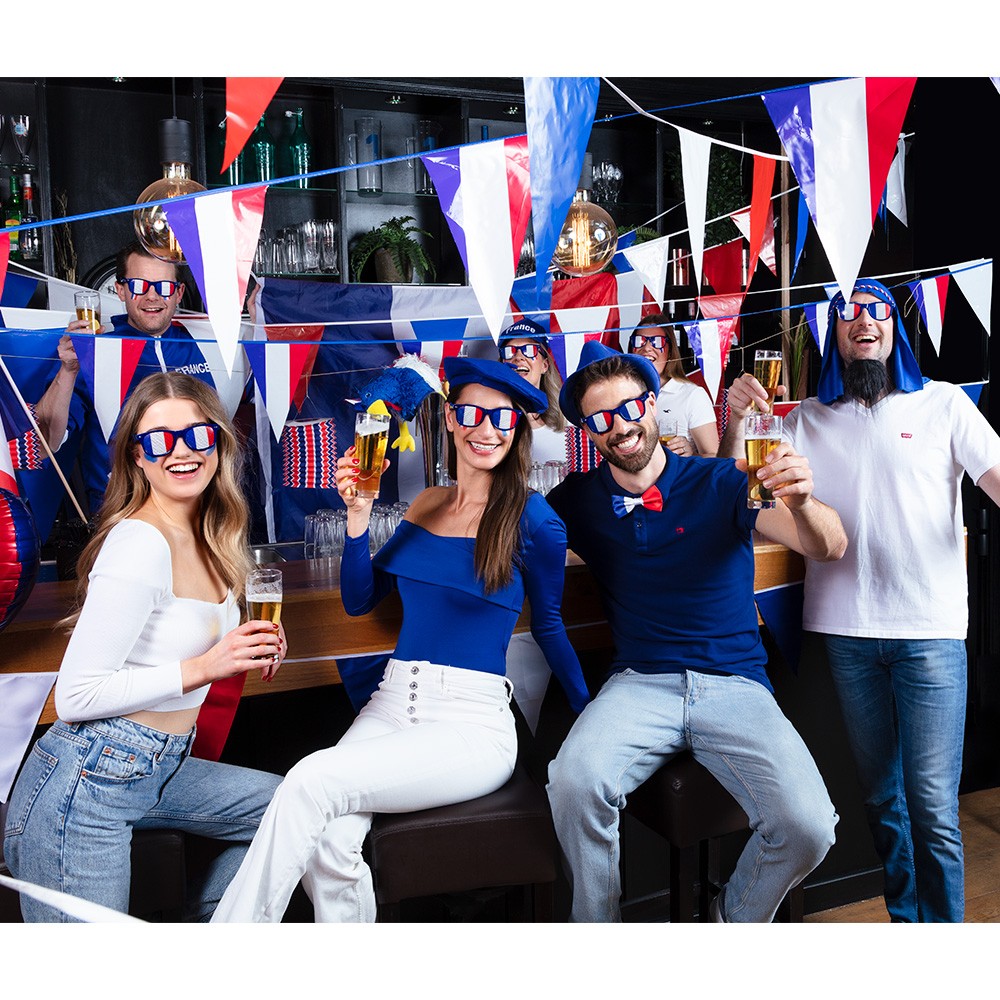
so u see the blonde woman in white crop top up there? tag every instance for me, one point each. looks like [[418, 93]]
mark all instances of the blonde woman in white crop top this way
[[158, 622]]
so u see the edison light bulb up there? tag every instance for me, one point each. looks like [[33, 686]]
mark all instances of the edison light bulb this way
[[151, 223], [588, 239]]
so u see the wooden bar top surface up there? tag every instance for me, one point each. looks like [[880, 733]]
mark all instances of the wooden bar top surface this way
[[319, 630]]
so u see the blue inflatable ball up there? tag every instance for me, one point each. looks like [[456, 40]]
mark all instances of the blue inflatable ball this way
[[20, 554]]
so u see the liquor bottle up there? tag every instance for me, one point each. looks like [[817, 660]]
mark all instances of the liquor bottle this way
[[262, 152], [31, 239], [234, 172], [299, 148], [12, 215]]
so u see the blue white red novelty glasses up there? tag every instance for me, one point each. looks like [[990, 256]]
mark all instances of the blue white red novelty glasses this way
[[632, 409], [657, 341], [139, 286], [156, 444], [530, 351], [877, 310], [503, 418]]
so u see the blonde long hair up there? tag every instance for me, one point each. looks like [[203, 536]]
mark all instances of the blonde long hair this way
[[674, 367], [224, 513]]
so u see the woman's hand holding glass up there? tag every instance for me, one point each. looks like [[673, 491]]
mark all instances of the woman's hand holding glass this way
[[359, 508], [254, 644]]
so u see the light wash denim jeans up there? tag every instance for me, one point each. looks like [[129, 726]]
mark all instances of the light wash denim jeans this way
[[903, 702], [732, 726], [431, 735], [85, 787]]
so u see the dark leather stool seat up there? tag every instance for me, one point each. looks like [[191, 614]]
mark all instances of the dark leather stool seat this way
[[686, 805], [502, 839]]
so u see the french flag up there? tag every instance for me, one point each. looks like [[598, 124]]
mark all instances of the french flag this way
[[930, 295], [277, 368], [485, 193], [840, 138], [107, 364], [218, 234]]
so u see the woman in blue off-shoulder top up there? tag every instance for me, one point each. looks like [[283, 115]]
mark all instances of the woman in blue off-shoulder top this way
[[439, 729]]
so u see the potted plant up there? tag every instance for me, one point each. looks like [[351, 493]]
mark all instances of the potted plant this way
[[396, 253]]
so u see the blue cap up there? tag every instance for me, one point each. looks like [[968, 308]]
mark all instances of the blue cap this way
[[902, 364], [594, 351], [524, 329], [503, 378]]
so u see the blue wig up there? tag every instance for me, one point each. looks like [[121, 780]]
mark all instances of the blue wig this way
[[902, 365]]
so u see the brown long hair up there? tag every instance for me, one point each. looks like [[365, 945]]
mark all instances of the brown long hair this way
[[224, 513], [498, 537], [674, 367]]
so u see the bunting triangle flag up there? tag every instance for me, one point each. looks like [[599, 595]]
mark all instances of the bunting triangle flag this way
[[633, 296], [276, 369], [228, 384], [930, 295], [218, 234], [107, 365], [22, 698], [578, 325], [247, 98], [650, 260], [761, 210], [766, 254], [705, 341], [4, 258], [840, 138], [695, 152], [723, 267], [895, 194], [484, 190], [559, 114], [801, 230], [626, 240], [973, 390], [817, 316], [975, 279]]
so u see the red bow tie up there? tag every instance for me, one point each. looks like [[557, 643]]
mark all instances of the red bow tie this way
[[652, 499]]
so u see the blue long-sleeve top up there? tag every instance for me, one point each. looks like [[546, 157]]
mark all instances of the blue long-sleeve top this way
[[447, 616]]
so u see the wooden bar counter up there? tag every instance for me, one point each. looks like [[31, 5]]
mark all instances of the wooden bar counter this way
[[318, 629]]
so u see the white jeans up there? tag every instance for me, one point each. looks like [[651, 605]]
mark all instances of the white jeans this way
[[430, 736]]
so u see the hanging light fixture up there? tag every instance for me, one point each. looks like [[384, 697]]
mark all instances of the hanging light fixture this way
[[589, 236], [151, 225]]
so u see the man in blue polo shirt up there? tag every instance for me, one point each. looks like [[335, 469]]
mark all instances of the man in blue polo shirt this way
[[668, 541], [151, 292]]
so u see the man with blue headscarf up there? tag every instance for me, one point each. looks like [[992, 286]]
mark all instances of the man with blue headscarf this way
[[888, 451]]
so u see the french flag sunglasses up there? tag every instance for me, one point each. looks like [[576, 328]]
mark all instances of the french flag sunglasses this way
[[503, 418], [632, 409], [530, 351], [878, 310], [139, 286], [657, 341], [159, 443]]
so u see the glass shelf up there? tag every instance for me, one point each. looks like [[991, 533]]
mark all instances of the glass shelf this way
[[386, 198], [287, 188]]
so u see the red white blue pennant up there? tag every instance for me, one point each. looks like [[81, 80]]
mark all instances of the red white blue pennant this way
[[277, 368], [107, 365]]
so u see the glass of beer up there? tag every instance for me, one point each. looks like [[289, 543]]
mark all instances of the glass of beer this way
[[263, 592], [88, 309], [767, 371], [762, 432], [371, 435], [668, 430]]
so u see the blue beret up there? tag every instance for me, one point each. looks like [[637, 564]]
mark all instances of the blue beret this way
[[503, 378]]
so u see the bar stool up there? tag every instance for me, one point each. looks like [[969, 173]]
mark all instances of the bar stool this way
[[158, 877], [685, 804], [498, 840]]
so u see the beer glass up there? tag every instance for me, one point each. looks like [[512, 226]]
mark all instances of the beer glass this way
[[88, 309], [767, 371], [762, 432], [371, 435], [263, 592], [668, 429]]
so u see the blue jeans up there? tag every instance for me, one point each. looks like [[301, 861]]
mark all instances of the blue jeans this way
[[903, 702], [85, 787], [732, 726]]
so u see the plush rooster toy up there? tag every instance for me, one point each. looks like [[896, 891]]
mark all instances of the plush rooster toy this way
[[399, 390]]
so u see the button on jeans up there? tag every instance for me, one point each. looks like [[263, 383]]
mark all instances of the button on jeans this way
[[85, 787], [732, 726], [903, 702]]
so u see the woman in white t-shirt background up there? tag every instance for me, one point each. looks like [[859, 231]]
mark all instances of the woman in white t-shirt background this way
[[157, 621], [680, 402]]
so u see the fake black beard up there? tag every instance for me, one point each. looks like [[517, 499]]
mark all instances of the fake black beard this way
[[866, 380]]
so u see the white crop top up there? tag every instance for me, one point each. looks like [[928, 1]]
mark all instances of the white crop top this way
[[126, 650]]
